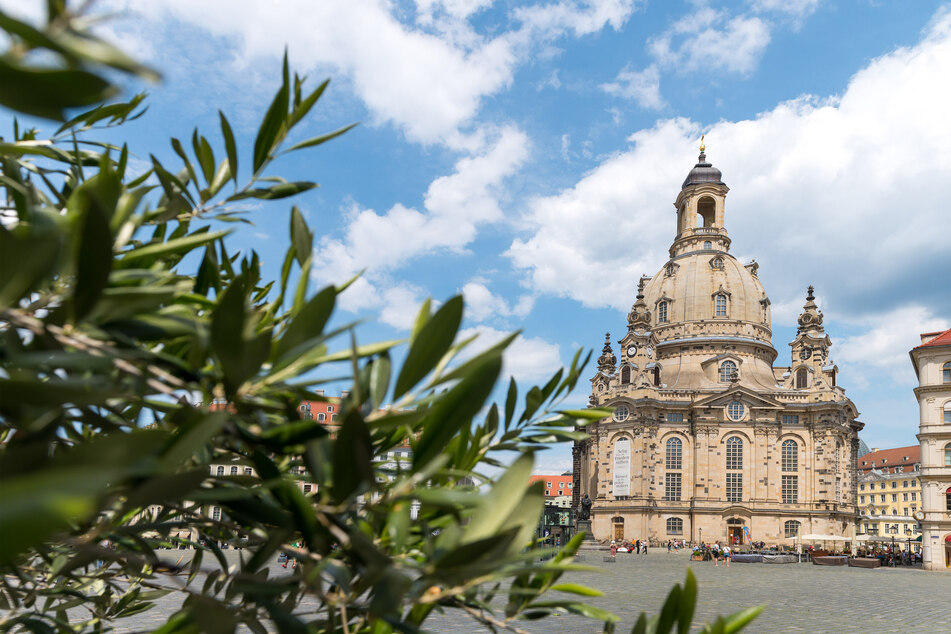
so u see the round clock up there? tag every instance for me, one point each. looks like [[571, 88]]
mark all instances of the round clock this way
[[631, 351], [919, 515]]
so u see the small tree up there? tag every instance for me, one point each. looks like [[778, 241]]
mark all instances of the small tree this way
[[124, 316]]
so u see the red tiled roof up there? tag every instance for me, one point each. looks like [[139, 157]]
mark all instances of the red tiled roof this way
[[887, 459], [942, 339]]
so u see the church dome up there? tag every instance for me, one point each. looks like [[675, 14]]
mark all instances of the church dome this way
[[703, 172], [708, 293]]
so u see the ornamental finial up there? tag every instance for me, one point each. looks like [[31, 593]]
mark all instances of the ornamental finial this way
[[703, 148], [810, 297]]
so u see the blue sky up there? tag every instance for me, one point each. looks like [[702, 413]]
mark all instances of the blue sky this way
[[527, 154]]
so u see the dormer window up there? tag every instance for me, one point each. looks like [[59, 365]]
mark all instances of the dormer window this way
[[662, 313], [716, 263], [727, 371], [720, 303]]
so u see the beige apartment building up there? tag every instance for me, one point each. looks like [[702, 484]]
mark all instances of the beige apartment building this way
[[709, 440], [932, 363], [890, 495]]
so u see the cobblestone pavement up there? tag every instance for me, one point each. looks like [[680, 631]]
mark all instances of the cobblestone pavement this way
[[798, 597]]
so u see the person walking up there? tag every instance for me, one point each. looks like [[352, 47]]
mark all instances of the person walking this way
[[613, 549], [726, 555]]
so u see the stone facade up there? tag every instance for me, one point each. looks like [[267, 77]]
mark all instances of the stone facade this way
[[709, 440], [932, 362]]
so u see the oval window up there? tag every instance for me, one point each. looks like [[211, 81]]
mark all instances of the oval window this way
[[621, 413], [735, 410]]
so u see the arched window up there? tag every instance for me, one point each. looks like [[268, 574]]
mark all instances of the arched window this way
[[662, 313], [791, 528], [947, 455], [321, 416], [720, 300], [946, 372], [947, 412], [234, 471], [716, 263], [674, 454], [802, 378], [734, 452], [656, 371], [727, 370], [220, 471], [707, 245], [947, 499], [625, 374], [707, 212], [790, 455], [675, 526]]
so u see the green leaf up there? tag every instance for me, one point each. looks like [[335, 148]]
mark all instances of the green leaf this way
[[738, 620], [281, 190], [273, 126], [27, 258], [308, 323], [317, 140], [227, 333], [46, 92], [428, 347], [456, 409], [179, 246], [511, 399], [688, 601], [379, 379], [575, 588], [301, 236], [97, 199], [231, 147], [352, 457]]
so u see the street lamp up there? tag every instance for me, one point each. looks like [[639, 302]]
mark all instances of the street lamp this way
[[701, 537]]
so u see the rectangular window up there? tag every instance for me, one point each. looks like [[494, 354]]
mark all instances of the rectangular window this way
[[672, 486], [914, 496], [247, 471], [894, 497], [307, 488], [571, 485], [904, 511], [861, 499], [881, 486], [883, 497], [790, 419], [675, 418], [904, 497], [734, 487], [790, 489], [216, 513], [662, 313], [861, 487], [721, 306], [904, 483], [548, 484], [894, 484]]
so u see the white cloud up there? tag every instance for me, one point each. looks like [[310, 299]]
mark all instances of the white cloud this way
[[530, 359], [455, 206], [483, 305], [429, 79], [886, 343], [401, 305], [848, 193], [797, 8], [696, 43], [641, 86]]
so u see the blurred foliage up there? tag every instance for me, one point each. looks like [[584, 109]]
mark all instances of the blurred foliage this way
[[126, 323]]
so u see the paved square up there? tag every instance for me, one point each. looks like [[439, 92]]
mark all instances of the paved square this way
[[798, 597]]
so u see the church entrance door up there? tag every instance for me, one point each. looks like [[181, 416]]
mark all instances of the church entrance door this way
[[736, 535], [619, 532]]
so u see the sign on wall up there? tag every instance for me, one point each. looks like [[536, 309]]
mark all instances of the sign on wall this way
[[622, 467]]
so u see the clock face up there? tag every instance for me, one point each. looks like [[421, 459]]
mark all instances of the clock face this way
[[805, 353], [919, 515], [631, 351]]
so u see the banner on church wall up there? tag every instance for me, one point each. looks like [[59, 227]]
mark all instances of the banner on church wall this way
[[622, 467]]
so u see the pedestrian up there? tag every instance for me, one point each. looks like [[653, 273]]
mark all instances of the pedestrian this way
[[637, 545], [613, 549], [670, 546], [644, 547], [726, 555]]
